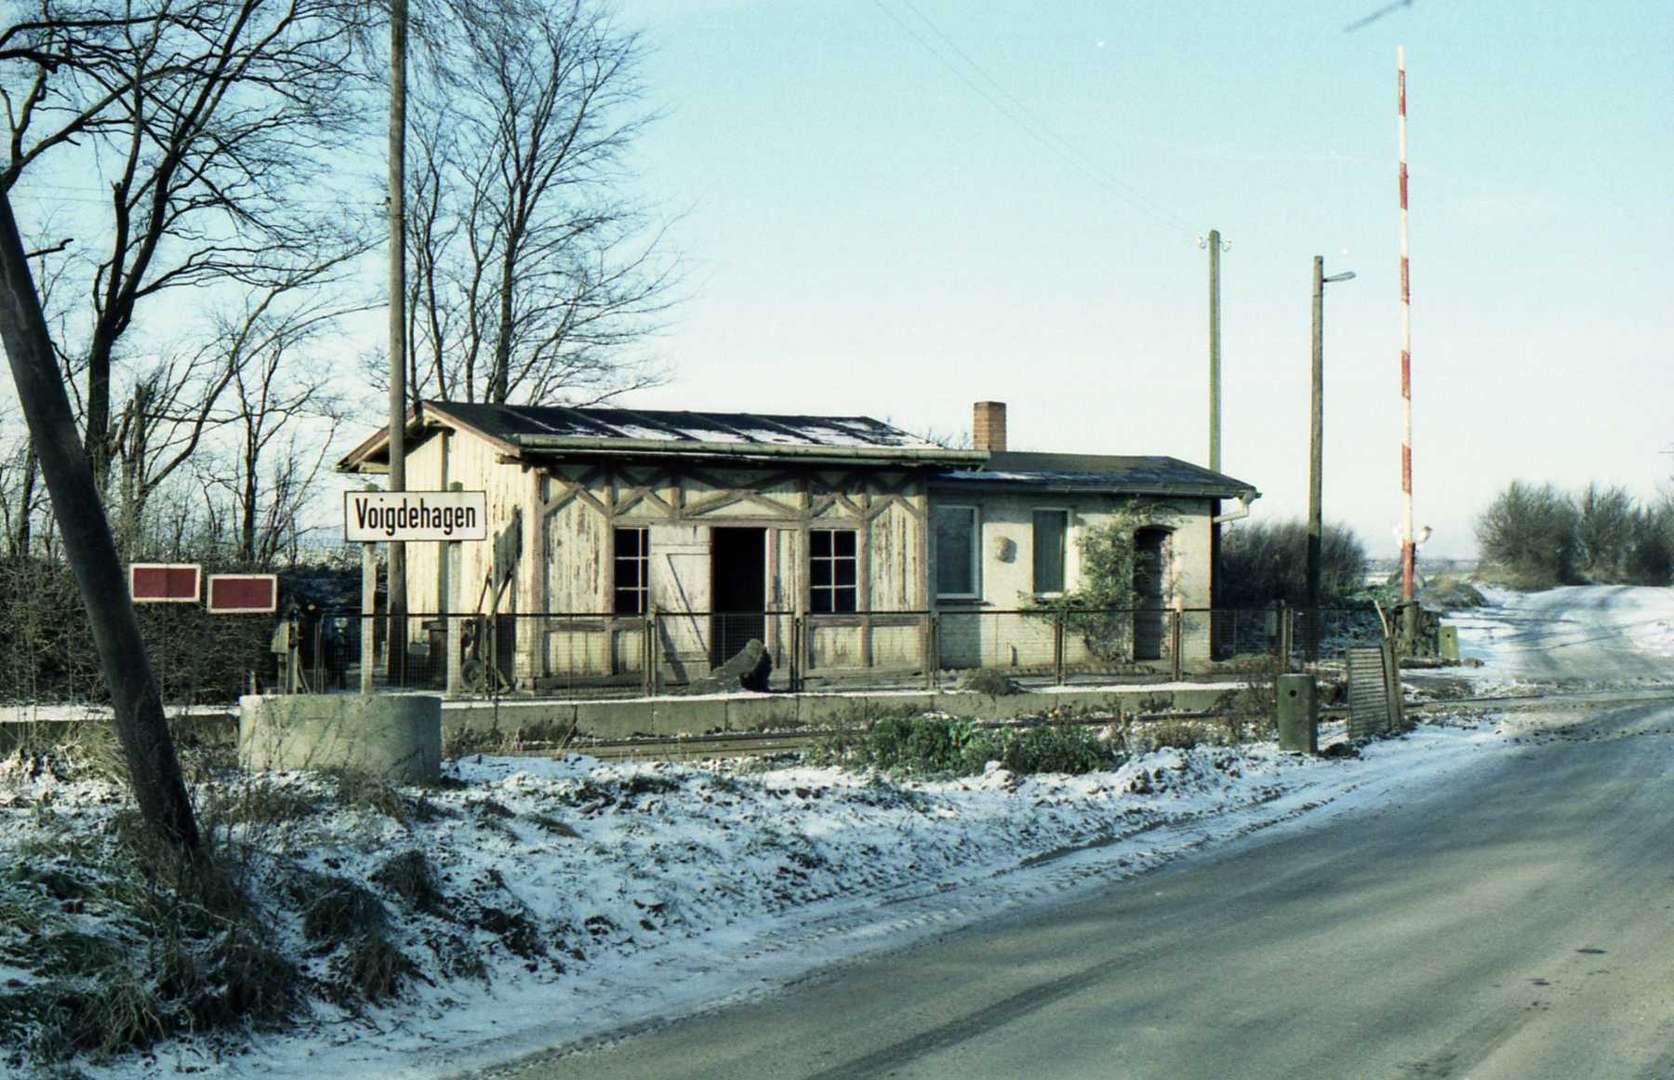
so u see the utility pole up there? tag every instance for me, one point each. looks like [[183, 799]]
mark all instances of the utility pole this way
[[1214, 244], [1316, 450], [1316, 440], [397, 326]]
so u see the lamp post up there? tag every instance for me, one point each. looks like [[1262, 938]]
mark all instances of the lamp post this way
[[1316, 439]]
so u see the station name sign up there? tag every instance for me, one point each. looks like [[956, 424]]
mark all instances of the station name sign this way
[[371, 517]]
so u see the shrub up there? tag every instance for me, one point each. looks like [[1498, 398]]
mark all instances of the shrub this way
[[1604, 531], [934, 745], [1651, 558], [1537, 537], [1266, 562], [1530, 534], [1098, 610]]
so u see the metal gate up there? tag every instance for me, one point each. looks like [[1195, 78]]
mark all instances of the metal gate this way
[[1374, 692]]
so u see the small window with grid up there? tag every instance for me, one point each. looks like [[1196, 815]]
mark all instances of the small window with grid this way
[[833, 572], [633, 557]]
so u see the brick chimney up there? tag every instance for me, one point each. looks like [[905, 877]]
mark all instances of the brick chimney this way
[[988, 425]]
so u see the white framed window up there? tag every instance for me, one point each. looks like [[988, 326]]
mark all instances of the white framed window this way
[[1051, 548], [633, 559], [833, 572], [957, 552]]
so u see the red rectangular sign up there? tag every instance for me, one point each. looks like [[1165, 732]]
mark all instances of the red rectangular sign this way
[[233, 593], [164, 583]]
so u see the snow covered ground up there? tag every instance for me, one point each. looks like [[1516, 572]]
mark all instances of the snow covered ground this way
[[1587, 636], [634, 892], [569, 899]]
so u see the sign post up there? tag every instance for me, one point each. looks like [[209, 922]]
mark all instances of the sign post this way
[[378, 517], [164, 583], [373, 517]]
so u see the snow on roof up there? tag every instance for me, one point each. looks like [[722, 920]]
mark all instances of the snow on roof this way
[[508, 422]]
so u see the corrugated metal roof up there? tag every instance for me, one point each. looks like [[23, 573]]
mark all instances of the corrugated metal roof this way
[[1124, 474], [548, 431], [511, 422]]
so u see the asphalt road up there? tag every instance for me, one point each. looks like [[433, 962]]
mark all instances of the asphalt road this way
[[1520, 924]]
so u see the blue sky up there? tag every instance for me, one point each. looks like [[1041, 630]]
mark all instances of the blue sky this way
[[865, 233]]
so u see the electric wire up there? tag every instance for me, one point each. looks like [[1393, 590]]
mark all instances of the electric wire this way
[[1007, 104]]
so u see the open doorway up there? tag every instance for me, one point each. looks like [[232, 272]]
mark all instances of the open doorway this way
[[737, 590], [1150, 589]]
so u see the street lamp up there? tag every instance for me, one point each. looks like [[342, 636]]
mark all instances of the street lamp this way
[[1316, 439]]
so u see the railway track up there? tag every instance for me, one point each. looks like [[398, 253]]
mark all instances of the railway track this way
[[766, 743]]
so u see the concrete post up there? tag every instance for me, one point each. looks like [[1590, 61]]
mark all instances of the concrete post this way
[[368, 623], [1298, 714]]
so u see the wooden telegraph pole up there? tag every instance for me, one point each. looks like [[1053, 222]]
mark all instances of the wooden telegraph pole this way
[[1316, 450], [1316, 453], [1215, 349], [397, 326]]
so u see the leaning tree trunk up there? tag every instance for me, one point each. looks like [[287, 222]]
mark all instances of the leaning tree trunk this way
[[153, 769]]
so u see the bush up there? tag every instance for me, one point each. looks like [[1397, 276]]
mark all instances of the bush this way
[[1604, 531], [1098, 610], [1265, 562], [933, 745], [1651, 559], [1538, 537], [1530, 534]]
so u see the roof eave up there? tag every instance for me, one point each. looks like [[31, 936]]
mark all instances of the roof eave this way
[[1182, 491]]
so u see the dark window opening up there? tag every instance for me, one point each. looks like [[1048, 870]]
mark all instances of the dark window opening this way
[[833, 572], [1051, 526], [633, 562], [956, 551]]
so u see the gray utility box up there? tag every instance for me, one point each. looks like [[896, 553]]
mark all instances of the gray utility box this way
[[1298, 714], [1447, 642]]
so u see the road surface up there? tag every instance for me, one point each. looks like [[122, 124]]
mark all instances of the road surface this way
[[1519, 923], [1588, 635], [1521, 926]]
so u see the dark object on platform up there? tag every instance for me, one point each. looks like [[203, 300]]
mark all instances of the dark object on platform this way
[[991, 682], [749, 670]]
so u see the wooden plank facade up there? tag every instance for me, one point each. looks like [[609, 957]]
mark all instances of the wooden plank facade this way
[[730, 526]]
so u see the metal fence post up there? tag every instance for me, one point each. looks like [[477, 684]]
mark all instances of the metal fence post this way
[[1058, 647], [368, 608], [655, 664], [1174, 619], [648, 629], [935, 665], [798, 629]]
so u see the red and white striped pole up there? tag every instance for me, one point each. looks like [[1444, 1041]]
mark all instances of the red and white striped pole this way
[[1408, 551]]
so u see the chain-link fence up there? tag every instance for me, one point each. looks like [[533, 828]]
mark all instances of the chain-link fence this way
[[203, 658]]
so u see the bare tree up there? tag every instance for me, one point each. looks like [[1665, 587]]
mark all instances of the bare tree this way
[[268, 489], [182, 401], [530, 267], [212, 121], [137, 714]]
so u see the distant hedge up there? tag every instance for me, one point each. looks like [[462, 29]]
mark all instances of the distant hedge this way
[[1265, 562], [47, 655], [1539, 536]]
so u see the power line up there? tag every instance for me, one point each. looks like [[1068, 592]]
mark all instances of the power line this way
[[1012, 108], [1376, 15]]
